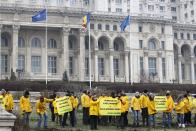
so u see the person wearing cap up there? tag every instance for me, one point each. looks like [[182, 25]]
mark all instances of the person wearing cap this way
[[25, 107], [167, 118], [41, 110], [136, 108], [151, 110], [179, 108], [8, 101], [144, 100]]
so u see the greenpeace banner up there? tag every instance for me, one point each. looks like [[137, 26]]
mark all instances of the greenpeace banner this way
[[160, 103], [63, 105], [109, 107]]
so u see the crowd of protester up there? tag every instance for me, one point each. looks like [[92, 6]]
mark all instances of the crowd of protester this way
[[141, 106]]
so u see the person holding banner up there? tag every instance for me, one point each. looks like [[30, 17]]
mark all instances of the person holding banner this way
[[179, 108], [136, 108], [58, 116], [151, 110], [41, 111], [167, 118], [93, 112], [144, 100]]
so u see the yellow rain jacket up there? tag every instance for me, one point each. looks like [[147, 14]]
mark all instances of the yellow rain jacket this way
[[82, 99], [8, 102], [180, 107], [94, 108], [25, 104], [151, 107], [194, 106], [169, 104], [41, 106], [75, 102], [85, 101], [136, 103], [187, 106], [124, 103], [144, 101], [55, 107]]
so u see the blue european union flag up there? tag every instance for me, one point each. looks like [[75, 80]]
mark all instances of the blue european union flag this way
[[125, 23], [40, 16]]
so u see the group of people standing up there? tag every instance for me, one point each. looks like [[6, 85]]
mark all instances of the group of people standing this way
[[141, 106]]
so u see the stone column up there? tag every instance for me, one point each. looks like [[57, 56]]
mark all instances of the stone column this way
[[192, 71], [96, 77], [160, 67], [81, 71], [15, 48], [146, 64], [65, 52], [111, 66], [126, 68], [180, 70]]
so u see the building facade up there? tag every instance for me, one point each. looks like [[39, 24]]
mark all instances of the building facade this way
[[158, 46]]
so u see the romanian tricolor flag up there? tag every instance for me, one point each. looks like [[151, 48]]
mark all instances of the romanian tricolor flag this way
[[86, 20]]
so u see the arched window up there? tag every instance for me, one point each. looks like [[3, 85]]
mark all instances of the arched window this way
[[21, 42], [101, 45], [52, 44], [152, 45], [36, 43], [4, 41], [116, 46]]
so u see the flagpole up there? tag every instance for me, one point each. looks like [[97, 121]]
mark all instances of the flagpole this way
[[89, 45], [46, 45]]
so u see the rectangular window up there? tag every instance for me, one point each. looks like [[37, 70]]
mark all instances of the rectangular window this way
[[99, 27], [140, 44], [86, 66], [173, 9], [118, 9], [188, 36], [162, 30], [118, 1], [141, 66], [140, 28], [141, 7], [52, 64], [92, 26], [162, 45], [114, 27], [71, 64], [194, 36], [175, 35], [36, 64], [182, 35], [4, 64], [152, 66], [151, 7], [107, 27], [101, 66], [116, 66], [163, 68], [183, 71], [21, 62], [174, 18], [162, 8]]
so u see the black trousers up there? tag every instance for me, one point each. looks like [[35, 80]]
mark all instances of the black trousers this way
[[93, 122], [85, 115], [125, 119], [64, 123], [195, 120], [72, 118], [145, 116], [52, 114], [187, 118], [121, 123]]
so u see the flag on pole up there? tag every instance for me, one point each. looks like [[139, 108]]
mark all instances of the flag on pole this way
[[86, 20], [40, 16], [125, 23]]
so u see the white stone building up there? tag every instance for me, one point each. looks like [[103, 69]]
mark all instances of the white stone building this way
[[158, 46]]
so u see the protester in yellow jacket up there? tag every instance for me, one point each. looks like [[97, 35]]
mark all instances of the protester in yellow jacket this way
[[151, 110], [167, 118], [194, 109], [136, 107], [93, 112], [25, 107], [58, 116], [8, 101], [124, 107], [187, 110], [85, 101], [41, 110], [144, 100], [179, 108]]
